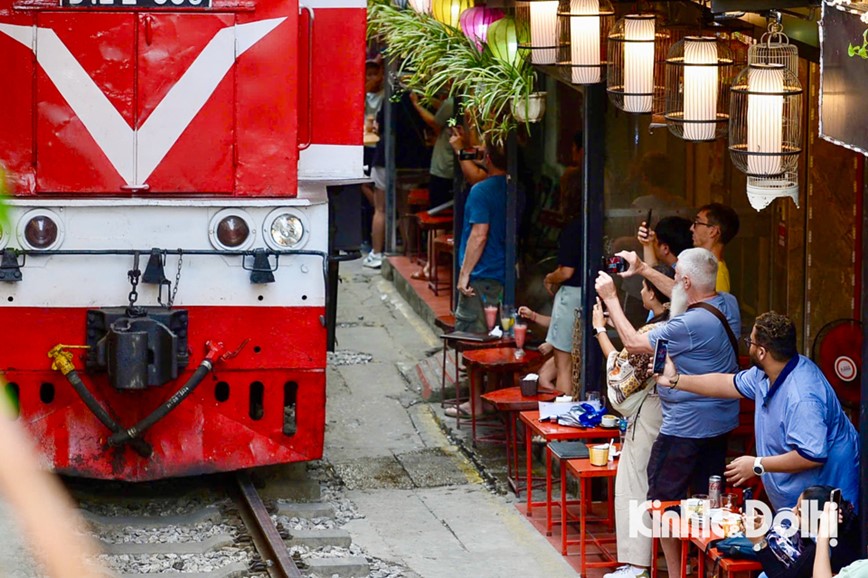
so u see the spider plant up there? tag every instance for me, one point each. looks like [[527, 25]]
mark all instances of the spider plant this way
[[433, 57]]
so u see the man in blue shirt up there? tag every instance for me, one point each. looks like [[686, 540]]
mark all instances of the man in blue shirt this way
[[692, 443], [803, 437], [482, 247]]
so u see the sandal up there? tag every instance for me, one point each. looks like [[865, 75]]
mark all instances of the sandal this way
[[419, 275]]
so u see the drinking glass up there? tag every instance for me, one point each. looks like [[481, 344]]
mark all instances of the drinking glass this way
[[728, 502], [593, 398], [491, 315], [520, 329], [701, 506], [506, 321]]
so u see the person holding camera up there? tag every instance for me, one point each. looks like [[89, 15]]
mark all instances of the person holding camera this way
[[633, 393], [693, 437], [803, 437]]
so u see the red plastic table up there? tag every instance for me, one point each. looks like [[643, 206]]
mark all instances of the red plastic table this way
[[510, 401], [499, 362], [450, 340], [551, 431]]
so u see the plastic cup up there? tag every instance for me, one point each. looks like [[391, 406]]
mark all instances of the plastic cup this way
[[599, 455]]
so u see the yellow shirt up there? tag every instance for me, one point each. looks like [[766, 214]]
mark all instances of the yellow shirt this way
[[722, 283]]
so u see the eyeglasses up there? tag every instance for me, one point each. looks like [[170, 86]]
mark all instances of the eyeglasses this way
[[697, 222], [749, 342]]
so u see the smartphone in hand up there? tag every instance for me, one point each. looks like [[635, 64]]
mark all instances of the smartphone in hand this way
[[835, 496], [660, 351]]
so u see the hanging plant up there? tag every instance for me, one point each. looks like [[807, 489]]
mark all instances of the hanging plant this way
[[434, 57]]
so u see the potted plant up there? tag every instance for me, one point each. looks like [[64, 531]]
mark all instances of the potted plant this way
[[434, 57]]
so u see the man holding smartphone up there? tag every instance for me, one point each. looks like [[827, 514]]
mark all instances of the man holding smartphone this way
[[692, 443], [803, 437]]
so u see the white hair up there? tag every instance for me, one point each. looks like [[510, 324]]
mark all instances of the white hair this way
[[701, 266]]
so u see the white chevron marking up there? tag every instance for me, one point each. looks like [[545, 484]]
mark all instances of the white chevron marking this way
[[136, 153]]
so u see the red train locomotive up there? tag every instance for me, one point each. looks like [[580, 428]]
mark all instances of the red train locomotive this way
[[163, 284]]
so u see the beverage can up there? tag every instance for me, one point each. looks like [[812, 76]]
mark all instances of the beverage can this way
[[715, 487]]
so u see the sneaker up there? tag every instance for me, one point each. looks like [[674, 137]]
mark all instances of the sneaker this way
[[628, 571], [373, 260]]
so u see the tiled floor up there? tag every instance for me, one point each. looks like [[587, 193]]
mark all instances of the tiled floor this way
[[439, 308]]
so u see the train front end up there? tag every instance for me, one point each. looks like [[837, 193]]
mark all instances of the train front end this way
[[165, 243]]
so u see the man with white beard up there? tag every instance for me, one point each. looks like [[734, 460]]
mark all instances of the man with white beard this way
[[692, 443]]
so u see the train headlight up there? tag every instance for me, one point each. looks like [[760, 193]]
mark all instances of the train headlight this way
[[285, 229], [231, 229], [40, 230]]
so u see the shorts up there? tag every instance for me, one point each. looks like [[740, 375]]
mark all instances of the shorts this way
[[560, 333], [469, 315], [677, 463], [378, 175], [439, 191]]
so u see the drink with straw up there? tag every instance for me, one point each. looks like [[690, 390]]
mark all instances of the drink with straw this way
[[520, 329]]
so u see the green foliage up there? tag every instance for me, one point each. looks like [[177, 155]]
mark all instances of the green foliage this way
[[860, 51], [435, 58]]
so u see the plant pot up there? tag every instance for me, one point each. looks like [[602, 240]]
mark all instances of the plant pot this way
[[530, 109]]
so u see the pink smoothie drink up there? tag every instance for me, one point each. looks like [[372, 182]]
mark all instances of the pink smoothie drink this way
[[490, 316], [520, 334]]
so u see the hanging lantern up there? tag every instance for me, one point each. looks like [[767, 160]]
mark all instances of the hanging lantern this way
[[698, 73], [583, 25], [636, 64], [421, 6], [537, 21], [449, 11], [765, 133], [773, 49], [475, 22], [503, 41]]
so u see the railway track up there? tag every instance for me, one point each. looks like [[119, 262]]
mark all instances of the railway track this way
[[213, 527]]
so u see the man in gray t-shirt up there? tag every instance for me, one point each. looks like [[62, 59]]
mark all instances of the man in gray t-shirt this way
[[691, 446]]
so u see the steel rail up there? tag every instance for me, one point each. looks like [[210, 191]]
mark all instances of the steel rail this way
[[266, 539]]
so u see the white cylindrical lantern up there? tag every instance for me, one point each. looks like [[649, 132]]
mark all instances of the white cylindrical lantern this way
[[765, 108], [635, 75], [583, 26], [538, 21], [698, 71], [639, 64], [765, 134]]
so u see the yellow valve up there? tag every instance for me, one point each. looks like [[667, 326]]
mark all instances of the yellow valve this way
[[61, 359]]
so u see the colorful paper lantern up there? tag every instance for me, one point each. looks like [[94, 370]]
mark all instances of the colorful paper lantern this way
[[475, 22], [421, 6], [449, 11], [503, 40]]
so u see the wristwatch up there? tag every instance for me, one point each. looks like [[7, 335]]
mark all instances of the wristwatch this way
[[598, 330], [758, 468], [760, 545]]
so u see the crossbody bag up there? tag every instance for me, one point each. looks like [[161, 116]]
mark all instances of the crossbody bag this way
[[716, 312]]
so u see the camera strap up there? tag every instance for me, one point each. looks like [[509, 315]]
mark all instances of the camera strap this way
[[716, 312]]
